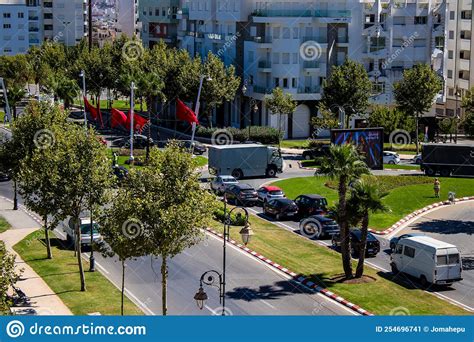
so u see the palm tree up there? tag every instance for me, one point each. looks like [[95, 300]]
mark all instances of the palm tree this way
[[366, 197], [344, 164], [16, 93]]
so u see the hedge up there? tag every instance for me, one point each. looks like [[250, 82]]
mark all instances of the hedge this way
[[263, 134]]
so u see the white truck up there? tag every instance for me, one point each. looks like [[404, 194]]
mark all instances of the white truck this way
[[427, 259], [245, 160], [85, 232]]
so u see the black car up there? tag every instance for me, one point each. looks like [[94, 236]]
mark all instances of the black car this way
[[241, 194], [4, 176], [139, 142], [317, 226], [322, 151], [199, 149], [280, 207], [372, 246], [311, 205], [394, 240]]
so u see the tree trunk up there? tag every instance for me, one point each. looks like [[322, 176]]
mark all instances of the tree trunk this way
[[345, 233], [363, 244], [46, 237], [164, 284], [14, 113], [123, 286], [79, 252], [15, 195]]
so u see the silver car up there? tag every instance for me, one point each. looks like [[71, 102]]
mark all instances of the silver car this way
[[220, 183]]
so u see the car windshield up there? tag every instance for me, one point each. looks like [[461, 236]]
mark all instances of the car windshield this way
[[229, 180], [319, 202], [276, 192], [86, 228], [248, 191]]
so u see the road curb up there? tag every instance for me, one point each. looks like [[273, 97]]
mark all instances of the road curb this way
[[307, 282], [418, 213]]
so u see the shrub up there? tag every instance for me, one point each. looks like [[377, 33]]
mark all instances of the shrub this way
[[263, 134], [316, 144], [234, 219]]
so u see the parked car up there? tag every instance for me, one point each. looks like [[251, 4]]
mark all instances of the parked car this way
[[4, 177], [280, 208], [139, 142], [311, 205], [427, 259], [314, 153], [241, 194], [318, 226], [372, 246], [390, 157], [417, 159], [220, 183], [395, 239], [199, 149], [85, 226], [267, 193]]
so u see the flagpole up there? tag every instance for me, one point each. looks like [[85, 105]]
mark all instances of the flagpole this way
[[132, 114], [196, 110], [83, 75]]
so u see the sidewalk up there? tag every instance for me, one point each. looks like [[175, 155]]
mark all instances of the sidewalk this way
[[42, 300]]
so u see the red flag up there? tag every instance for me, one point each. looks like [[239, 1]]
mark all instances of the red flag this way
[[94, 112], [138, 122], [118, 118], [184, 113]]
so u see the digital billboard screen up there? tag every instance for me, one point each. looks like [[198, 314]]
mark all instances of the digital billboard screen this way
[[368, 140]]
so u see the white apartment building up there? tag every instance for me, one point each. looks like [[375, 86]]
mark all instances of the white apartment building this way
[[64, 21], [294, 44], [159, 21], [127, 18], [20, 26], [460, 55]]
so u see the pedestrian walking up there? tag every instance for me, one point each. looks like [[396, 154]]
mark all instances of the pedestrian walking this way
[[437, 187]]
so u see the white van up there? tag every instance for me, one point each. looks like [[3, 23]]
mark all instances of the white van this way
[[429, 260], [85, 232]]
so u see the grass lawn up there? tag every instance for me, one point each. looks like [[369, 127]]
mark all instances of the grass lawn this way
[[406, 193], [322, 264], [403, 149], [401, 167], [300, 144], [119, 104], [4, 225], [201, 161], [61, 274], [310, 163]]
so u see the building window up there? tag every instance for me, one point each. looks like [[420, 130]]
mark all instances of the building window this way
[[285, 58], [7, 26], [450, 54], [286, 33], [21, 15], [295, 58], [276, 58], [48, 15], [295, 33], [294, 82], [466, 15], [285, 83], [421, 20], [6, 15], [276, 32], [452, 15], [451, 34], [277, 82], [450, 74]]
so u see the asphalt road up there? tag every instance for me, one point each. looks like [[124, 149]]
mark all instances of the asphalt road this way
[[253, 288], [453, 224]]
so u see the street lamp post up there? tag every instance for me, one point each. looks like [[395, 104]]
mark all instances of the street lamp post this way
[[457, 94], [91, 258], [214, 278], [83, 76], [132, 114]]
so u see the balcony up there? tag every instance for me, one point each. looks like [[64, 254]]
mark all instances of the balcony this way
[[33, 18], [262, 90], [311, 66], [33, 29], [302, 13], [309, 90], [265, 66]]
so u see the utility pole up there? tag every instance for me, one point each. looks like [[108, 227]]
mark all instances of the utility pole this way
[[90, 24]]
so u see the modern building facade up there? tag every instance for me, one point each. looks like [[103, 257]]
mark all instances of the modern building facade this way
[[460, 50], [20, 26], [64, 21], [159, 21], [294, 44], [127, 18]]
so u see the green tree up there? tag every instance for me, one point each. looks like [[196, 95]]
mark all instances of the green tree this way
[[171, 207], [222, 86], [468, 106], [8, 277], [38, 178], [448, 126], [325, 120], [123, 234], [391, 119], [366, 198], [280, 104], [345, 165], [348, 88], [416, 92], [85, 176], [63, 88]]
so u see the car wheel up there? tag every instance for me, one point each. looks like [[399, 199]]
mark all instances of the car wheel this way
[[307, 157], [392, 247], [312, 230], [237, 174], [445, 172], [418, 161], [430, 172], [391, 162], [271, 172], [423, 282]]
